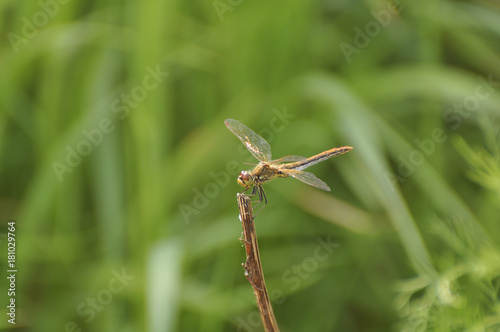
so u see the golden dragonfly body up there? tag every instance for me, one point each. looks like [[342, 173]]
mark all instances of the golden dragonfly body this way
[[268, 169]]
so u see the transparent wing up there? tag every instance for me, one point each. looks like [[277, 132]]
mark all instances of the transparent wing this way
[[289, 159], [307, 178], [258, 146]]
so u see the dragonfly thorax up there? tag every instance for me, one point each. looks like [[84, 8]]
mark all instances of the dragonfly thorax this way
[[245, 179]]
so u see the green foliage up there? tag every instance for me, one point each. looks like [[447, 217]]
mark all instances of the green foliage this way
[[120, 173]]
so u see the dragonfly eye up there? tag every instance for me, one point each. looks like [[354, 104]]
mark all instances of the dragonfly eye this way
[[245, 179], [244, 176]]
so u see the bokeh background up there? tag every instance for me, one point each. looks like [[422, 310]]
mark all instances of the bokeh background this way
[[120, 174]]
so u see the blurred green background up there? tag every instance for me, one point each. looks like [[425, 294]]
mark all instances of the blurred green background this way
[[121, 176]]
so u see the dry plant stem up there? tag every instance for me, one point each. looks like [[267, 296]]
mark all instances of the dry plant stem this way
[[253, 268]]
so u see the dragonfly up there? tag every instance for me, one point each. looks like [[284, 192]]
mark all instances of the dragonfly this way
[[268, 169]]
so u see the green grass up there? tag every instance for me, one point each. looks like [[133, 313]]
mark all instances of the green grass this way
[[413, 210]]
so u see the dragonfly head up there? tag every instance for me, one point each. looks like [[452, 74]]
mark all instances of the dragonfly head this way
[[245, 179]]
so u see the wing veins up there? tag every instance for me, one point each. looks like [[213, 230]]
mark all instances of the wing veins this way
[[257, 146], [308, 178]]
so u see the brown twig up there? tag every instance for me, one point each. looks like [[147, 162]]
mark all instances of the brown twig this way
[[253, 268]]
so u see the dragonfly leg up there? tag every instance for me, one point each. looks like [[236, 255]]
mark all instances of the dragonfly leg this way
[[261, 195], [250, 195], [262, 199], [254, 192], [258, 190]]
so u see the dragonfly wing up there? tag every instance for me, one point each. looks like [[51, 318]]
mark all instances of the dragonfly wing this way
[[308, 178], [257, 146], [289, 159]]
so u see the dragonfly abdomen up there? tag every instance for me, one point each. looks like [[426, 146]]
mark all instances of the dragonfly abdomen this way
[[303, 164]]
